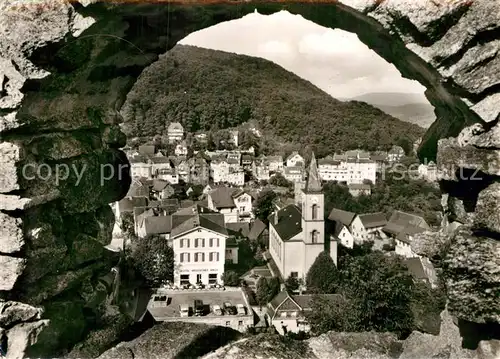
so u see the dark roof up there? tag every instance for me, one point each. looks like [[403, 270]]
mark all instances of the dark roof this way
[[160, 159], [223, 197], [406, 223], [158, 225], [256, 229], [305, 300], [238, 228], [197, 216], [361, 186], [342, 216], [128, 204], [138, 189], [159, 185], [289, 222], [371, 220], [147, 150], [415, 268], [231, 242], [313, 183], [186, 203], [337, 228], [278, 299]]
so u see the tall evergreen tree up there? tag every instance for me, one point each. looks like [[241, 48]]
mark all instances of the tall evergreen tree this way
[[323, 276]]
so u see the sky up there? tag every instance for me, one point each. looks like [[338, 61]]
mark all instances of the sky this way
[[334, 60]]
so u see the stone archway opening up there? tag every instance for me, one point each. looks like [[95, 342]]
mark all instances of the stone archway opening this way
[[60, 102]]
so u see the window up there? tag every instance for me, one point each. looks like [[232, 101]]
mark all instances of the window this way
[[228, 323], [184, 279], [240, 323], [294, 274], [283, 314], [181, 256], [218, 242], [242, 209], [196, 257], [217, 256], [314, 236], [314, 211], [210, 257], [202, 257], [196, 242], [211, 242], [212, 278]]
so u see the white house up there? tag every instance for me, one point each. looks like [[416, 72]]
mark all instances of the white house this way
[[373, 223], [358, 189], [175, 132], [295, 160], [221, 200], [168, 175], [395, 154], [140, 167], [181, 149], [341, 233], [275, 163], [294, 173], [297, 234], [236, 176], [287, 313], [362, 228], [244, 202], [403, 227], [199, 247]]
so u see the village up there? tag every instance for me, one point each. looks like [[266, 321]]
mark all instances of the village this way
[[203, 205]]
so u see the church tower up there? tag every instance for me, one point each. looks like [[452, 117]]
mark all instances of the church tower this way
[[313, 221]]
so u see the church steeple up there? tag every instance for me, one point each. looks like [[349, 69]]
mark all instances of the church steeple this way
[[313, 184]]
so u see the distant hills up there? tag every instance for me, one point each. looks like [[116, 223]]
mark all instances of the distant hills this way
[[408, 107], [210, 90]]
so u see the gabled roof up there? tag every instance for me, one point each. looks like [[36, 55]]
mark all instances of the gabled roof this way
[[293, 154], [158, 225], [359, 186], [274, 158], [343, 217], [313, 183], [137, 189], [371, 220], [289, 222], [196, 221], [160, 160], [278, 299], [175, 126], [223, 197], [238, 228], [128, 204], [405, 222], [415, 268], [305, 300], [159, 185], [256, 230]]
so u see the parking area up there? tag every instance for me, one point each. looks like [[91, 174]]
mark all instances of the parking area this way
[[163, 310]]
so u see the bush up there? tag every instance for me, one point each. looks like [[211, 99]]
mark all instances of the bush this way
[[231, 278]]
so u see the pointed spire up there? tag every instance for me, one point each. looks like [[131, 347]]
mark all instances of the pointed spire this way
[[313, 181]]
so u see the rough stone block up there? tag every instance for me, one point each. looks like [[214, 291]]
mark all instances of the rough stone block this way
[[23, 335], [11, 269], [487, 215], [11, 234], [15, 312], [472, 275], [9, 156]]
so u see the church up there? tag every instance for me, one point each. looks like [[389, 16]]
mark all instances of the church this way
[[297, 232]]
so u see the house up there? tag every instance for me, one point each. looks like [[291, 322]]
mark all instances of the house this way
[[246, 161], [154, 225], [341, 233], [258, 231], [168, 175], [294, 173], [198, 238], [183, 170], [238, 229], [219, 170], [349, 168], [373, 223], [275, 163], [244, 202], [295, 160], [175, 132], [428, 171], [221, 200], [395, 154], [236, 176], [181, 149], [159, 163], [403, 227], [287, 313], [296, 234], [260, 169], [140, 167], [234, 159], [234, 137], [138, 189], [358, 189], [422, 270], [380, 159], [199, 169]]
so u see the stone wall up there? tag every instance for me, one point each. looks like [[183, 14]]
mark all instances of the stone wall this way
[[65, 70]]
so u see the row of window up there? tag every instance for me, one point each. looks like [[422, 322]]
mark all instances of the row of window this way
[[199, 242], [200, 257]]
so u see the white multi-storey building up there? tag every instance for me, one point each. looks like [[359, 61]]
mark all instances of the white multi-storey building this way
[[139, 167], [348, 170], [295, 160], [175, 132]]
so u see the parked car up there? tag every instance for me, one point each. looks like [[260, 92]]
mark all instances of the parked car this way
[[198, 307], [240, 308], [229, 308], [216, 309], [184, 310]]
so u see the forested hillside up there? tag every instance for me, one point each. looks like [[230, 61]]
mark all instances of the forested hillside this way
[[209, 90]]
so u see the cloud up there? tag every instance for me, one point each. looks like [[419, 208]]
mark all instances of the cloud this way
[[276, 47]]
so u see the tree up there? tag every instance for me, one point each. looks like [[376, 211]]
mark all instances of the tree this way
[[382, 289], [293, 284], [231, 278], [264, 205], [280, 181], [336, 313], [323, 276], [261, 291], [153, 257]]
